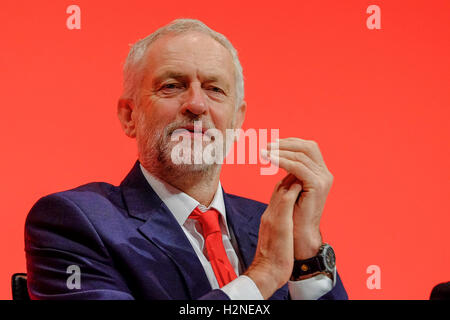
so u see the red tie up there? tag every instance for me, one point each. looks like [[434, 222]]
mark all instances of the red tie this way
[[218, 258]]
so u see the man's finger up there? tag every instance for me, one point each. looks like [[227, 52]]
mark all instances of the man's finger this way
[[287, 181], [301, 157], [298, 169], [309, 147]]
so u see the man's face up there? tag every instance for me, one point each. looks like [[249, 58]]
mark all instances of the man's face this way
[[188, 77]]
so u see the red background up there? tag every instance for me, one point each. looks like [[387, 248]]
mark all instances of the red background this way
[[376, 101]]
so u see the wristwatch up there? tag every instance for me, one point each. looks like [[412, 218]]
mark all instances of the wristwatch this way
[[323, 262]]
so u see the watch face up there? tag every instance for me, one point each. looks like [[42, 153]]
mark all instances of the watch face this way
[[330, 258]]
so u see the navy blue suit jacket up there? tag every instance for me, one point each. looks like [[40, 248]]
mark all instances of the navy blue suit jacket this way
[[127, 245]]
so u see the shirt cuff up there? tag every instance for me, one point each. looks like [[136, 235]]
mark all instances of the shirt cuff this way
[[312, 288], [242, 288]]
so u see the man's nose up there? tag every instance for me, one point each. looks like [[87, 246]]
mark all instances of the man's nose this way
[[195, 101]]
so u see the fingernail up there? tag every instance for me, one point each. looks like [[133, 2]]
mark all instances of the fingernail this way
[[265, 154], [274, 159]]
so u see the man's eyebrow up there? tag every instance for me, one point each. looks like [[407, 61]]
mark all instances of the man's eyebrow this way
[[167, 75], [216, 79], [170, 74]]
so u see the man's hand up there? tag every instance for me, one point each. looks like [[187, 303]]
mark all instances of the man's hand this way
[[290, 226], [274, 258], [303, 161]]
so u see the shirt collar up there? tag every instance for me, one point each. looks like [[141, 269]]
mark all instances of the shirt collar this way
[[181, 204]]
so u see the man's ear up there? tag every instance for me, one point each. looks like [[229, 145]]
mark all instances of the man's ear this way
[[125, 109], [240, 115]]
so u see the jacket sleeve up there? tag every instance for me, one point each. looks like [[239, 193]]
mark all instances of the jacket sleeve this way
[[216, 294], [66, 258]]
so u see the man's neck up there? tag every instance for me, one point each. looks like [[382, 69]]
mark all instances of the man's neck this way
[[200, 186]]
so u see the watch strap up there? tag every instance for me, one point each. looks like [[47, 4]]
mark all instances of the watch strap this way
[[308, 266]]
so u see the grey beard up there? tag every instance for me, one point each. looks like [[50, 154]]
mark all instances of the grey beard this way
[[156, 158]]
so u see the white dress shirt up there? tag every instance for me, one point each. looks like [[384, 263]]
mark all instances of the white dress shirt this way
[[242, 288]]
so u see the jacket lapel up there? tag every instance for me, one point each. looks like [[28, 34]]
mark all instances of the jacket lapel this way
[[161, 228], [243, 221]]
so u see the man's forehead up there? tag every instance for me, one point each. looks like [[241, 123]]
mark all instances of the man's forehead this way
[[191, 41], [170, 53]]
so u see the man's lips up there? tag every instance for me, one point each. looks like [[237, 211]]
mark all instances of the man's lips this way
[[190, 131], [191, 128]]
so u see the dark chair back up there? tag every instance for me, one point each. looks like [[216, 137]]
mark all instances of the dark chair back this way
[[19, 286], [441, 291]]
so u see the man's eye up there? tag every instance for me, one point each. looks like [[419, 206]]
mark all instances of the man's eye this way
[[170, 86], [216, 89]]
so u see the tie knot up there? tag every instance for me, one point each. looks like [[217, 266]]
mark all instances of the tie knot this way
[[209, 220]]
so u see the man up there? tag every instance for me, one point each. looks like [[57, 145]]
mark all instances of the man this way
[[169, 231]]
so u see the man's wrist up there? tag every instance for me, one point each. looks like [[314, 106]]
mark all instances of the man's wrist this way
[[305, 248], [263, 280]]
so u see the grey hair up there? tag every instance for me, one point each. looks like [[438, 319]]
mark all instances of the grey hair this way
[[133, 69]]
